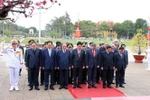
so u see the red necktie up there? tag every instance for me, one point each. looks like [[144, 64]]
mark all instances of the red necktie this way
[[93, 53]]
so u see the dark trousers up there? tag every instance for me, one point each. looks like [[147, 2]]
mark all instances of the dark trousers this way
[[47, 73], [120, 76], [92, 75], [98, 75], [112, 78], [56, 76], [124, 75], [42, 76], [84, 75], [77, 72], [29, 76], [33, 74], [70, 75], [107, 77], [20, 71], [63, 74]]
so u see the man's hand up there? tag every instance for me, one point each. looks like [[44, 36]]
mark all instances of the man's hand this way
[[83, 67], [97, 66], [87, 67], [69, 68], [102, 68], [21, 63], [27, 68], [114, 68], [72, 66]]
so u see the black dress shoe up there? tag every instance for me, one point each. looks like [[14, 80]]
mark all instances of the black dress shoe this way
[[121, 86], [65, 87], [79, 86], [60, 87], [31, 88], [124, 83], [112, 83], [37, 88], [52, 88], [46, 88], [73, 86], [94, 86], [104, 86], [109, 86], [89, 86]]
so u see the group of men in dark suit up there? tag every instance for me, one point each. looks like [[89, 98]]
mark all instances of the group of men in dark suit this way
[[62, 64]]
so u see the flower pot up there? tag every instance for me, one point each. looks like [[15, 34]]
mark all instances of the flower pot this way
[[138, 58]]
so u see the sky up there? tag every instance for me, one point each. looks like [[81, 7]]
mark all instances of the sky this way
[[94, 10]]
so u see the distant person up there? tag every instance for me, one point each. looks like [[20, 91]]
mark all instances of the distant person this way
[[64, 64], [15, 61]]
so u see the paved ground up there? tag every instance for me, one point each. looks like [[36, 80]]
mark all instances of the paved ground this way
[[137, 78]]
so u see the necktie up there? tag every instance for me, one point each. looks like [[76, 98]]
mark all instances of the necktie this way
[[64, 51], [93, 53]]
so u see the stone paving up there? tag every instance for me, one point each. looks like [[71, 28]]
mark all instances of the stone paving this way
[[137, 79]]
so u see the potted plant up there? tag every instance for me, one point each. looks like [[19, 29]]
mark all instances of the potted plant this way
[[138, 46]]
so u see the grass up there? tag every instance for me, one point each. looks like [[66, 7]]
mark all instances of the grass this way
[[73, 41]]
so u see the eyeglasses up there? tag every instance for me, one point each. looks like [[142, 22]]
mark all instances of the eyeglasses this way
[[69, 47], [83, 46], [14, 43]]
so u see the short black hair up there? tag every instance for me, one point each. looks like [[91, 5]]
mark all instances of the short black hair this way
[[31, 41], [49, 42], [108, 47], [123, 45], [58, 45], [79, 43], [121, 48], [91, 43], [58, 42], [69, 44]]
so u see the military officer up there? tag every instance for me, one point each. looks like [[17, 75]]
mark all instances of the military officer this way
[[14, 62]]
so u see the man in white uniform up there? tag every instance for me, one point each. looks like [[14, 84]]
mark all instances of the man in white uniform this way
[[14, 62]]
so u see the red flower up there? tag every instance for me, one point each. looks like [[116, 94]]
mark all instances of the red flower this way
[[38, 3], [44, 2], [51, 0], [25, 15]]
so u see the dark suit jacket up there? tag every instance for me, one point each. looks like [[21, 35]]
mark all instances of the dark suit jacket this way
[[48, 62], [90, 60], [21, 47], [78, 61], [120, 63], [63, 59], [33, 59], [107, 60]]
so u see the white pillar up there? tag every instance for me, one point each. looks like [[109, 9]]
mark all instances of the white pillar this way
[[39, 25]]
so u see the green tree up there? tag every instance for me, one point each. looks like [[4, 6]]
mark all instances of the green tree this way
[[141, 24], [87, 28], [103, 27]]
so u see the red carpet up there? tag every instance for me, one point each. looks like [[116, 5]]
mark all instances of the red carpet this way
[[92, 92], [124, 98]]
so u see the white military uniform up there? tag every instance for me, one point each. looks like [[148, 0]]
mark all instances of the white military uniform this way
[[13, 62]]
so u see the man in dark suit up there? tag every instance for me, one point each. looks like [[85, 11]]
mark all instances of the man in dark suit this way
[[33, 63], [25, 57], [78, 63], [64, 64], [126, 58], [92, 64], [49, 64], [120, 64], [107, 65]]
